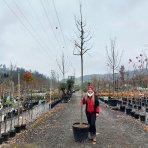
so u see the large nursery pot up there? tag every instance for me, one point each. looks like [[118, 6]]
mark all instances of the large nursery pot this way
[[128, 111], [136, 115], [1, 140], [5, 136], [139, 107], [112, 102], [12, 133], [80, 132], [133, 113], [124, 103], [17, 128], [142, 118], [122, 108], [23, 126]]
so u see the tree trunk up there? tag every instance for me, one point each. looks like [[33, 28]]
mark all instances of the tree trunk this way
[[113, 80], [19, 99], [81, 119]]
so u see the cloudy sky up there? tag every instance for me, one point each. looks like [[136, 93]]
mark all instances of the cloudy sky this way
[[30, 34]]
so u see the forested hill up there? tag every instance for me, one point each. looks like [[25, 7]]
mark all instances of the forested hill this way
[[39, 78]]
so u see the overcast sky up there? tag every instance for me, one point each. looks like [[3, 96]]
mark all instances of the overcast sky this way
[[30, 35]]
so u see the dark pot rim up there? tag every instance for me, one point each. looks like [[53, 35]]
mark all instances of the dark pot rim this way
[[5, 134], [78, 123], [17, 126], [12, 131]]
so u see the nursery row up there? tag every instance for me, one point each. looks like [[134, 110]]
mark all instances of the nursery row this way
[[14, 124], [135, 107]]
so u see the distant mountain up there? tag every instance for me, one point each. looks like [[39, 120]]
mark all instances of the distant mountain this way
[[128, 74]]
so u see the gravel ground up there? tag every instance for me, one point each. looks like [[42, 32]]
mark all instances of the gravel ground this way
[[54, 129]]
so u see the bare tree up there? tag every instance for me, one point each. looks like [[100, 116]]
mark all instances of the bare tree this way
[[63, 66], [81, 45], [114, 59], [122, 75], [94, 81]]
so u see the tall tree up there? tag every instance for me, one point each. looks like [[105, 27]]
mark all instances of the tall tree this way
[[114, 59], [122, 75], [81, 45], [63, 66], [94, 81]]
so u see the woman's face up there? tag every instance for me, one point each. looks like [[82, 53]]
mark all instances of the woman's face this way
[[90, 92]]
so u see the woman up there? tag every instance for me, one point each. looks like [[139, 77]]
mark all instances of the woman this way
[[92, 111]]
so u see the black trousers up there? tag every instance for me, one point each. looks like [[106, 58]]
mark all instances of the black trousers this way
[[91, 118]]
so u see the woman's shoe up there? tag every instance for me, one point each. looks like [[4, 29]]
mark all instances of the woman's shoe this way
[[94, 140]]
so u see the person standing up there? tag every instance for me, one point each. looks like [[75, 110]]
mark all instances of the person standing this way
[[92, 111]]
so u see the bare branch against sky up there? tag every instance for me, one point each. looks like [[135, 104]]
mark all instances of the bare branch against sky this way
[[33, 34]]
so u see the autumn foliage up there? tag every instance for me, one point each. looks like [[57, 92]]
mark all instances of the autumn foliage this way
[[27, 76]]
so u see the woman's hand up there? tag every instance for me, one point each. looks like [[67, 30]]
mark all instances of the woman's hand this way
[[97, 114]]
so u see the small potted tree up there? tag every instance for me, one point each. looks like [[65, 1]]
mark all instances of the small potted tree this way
[[12, 131], [5, 135], [27, 77], [63, 88], [1, 138], [18, 127]]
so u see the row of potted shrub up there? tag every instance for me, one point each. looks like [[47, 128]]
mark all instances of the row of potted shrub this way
[[10, 134], [27, 105], [17, 129], [129, 107], [55, 102]]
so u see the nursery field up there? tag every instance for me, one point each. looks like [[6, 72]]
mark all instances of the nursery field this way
[[54, 129]]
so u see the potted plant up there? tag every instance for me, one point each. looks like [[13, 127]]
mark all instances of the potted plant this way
[[1, 138], [18, 127], [80, 129], [11, 131], [5, 135], [27, 77]]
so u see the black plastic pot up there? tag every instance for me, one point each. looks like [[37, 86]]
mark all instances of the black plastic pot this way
[[5, 136], [1, 140], [23, 126], [66, 99], [112, 102], [139, 107], [133, 114], [136, 115], [128, 111], [142, 118], [119, 102], [124, 103], [122, 108], [12, 133], [124, 99], [143, 104], [135, 106], [17, 128], [80, 132], [133, 102]]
